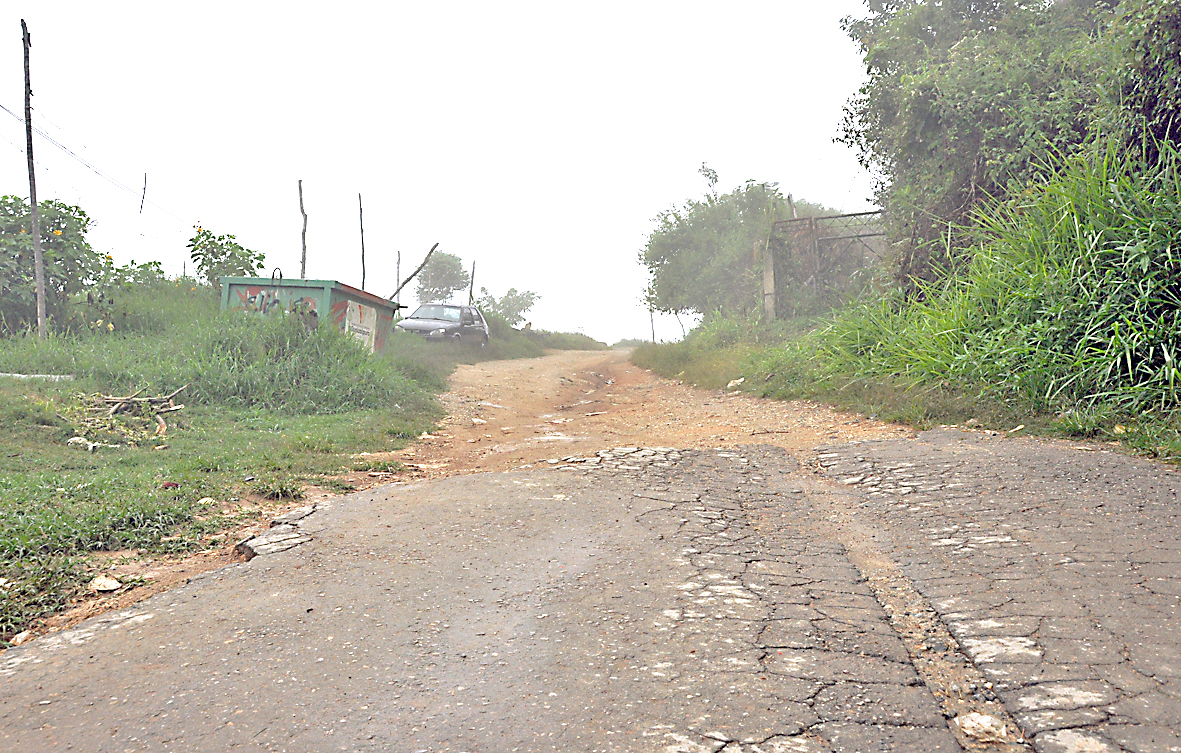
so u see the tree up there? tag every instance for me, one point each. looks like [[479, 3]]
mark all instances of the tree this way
[[441, 277], [968, 101], [512, 306], [71, 265], [219, 256]]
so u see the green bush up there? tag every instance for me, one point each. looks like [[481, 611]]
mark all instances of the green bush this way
[[71, 265]]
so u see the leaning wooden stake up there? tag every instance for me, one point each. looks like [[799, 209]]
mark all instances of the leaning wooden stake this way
[[303, 259], [411, 277], [471, 291], [38, 259]]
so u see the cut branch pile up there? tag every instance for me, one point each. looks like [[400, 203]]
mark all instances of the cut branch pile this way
[[134, 405], [132, 419]]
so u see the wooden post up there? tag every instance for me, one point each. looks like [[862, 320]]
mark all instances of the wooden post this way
[[768, 281], [471, 291], [652, 321], [361, 216], [812, 234], [38, 258], [145, 194], [303, 259], [398, 274]]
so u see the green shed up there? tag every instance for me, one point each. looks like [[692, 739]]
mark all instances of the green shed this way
[[365, 316]]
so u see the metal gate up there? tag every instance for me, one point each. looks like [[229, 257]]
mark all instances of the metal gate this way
[[813, 263]]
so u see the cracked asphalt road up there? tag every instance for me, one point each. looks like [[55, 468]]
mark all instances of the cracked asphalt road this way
[[1055, 565], [869, 595]]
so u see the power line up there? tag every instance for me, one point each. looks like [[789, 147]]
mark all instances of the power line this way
[[85, 163], [43, 166]]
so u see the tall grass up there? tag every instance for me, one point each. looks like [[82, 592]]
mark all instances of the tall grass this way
[[226, 358]]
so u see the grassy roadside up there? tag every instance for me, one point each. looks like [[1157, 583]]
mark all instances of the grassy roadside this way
[[1062, 314], [270, 408], [795, 361]]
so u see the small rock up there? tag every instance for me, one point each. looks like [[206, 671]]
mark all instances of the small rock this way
[[23, 637], [982, 727], [478, 421], [82, 442], [206, 501], [735, 383], [105, 584]]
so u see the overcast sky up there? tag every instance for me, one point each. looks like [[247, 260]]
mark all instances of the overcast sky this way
[[538, 139]]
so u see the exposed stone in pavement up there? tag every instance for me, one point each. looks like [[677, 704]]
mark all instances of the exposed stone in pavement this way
[[1054, 566], [288, 530]]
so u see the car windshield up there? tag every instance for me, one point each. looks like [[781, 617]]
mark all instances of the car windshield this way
[[444, 313]]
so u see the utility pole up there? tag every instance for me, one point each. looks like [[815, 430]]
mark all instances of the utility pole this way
[[398, 274], [303, 259], [652, 321], [361, 216], [471, 291], [38, 259]]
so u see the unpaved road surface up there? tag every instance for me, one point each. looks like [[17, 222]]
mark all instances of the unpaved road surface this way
[[692, 572]]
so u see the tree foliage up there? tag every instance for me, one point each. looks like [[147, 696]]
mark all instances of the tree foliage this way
[[1151, 31], [219, 256], [968, 101], [71, 265], [442, 276], [512, 305]]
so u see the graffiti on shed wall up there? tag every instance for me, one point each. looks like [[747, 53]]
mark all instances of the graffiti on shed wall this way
[[369, 321], [269, 300]]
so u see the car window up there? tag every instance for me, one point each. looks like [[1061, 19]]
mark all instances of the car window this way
[[467, 317], [444, 313]]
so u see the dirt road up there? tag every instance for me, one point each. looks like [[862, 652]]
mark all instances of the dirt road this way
[[598, 560], [512, 414]]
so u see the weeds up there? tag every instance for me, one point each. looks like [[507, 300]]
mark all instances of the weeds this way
[[379, 466]]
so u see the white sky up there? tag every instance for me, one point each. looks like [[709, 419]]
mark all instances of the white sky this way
[[538, 139]]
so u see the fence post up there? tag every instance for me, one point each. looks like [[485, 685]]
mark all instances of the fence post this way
[[303, 257], [768, 281]]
